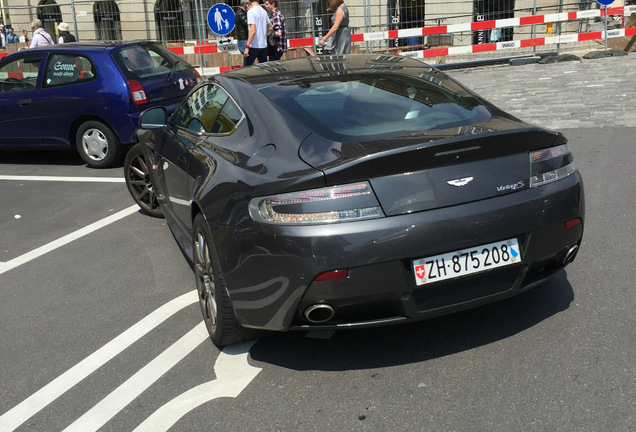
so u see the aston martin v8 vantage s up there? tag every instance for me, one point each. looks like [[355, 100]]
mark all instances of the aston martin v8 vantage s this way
[[348, 191]]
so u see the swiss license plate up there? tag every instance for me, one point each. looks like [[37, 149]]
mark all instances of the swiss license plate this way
[[468, 261]]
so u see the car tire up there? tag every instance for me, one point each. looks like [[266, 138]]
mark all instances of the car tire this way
[[139, 183], [216, 307], [97, 144]]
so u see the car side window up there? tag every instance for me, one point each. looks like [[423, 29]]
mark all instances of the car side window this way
[[20, 74], [63, 69], [208, 110]]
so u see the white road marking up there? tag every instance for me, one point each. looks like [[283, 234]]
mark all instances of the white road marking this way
[[36, 402], [36, 253], [108, 407], [233, 375], [64, 179]]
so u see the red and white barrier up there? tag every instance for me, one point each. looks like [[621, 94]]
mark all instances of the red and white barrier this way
[[208, 47], [523, 43]]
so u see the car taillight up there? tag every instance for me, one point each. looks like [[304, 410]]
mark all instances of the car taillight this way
[[197, 76], [551, 164], [137, 92], [346, 203]]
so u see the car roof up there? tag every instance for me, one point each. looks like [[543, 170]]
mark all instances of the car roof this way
[[90, 46], [288, 70]]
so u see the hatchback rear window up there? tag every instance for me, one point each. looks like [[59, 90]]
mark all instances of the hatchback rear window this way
[[354, 106], [139, 62]]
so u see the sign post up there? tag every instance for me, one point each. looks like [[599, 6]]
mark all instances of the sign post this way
[[605, 3], [221, 22]]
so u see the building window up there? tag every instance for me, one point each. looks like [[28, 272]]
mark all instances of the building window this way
[[107, 21]]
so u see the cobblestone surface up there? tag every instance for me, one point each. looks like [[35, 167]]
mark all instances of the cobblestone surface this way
[[573, 94]]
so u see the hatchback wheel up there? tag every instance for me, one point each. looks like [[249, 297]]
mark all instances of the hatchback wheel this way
[[214, 300], [97, 144], [137, 175]]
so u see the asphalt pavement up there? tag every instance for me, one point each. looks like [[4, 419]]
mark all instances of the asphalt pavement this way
[[100, 328]]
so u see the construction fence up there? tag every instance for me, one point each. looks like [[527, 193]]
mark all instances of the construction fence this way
[[389, 26]]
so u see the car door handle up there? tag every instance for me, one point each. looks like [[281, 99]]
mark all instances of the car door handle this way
[[24, 101]]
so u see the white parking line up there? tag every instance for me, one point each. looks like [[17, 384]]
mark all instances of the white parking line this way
[[29, 256], [233, 374], [36, 402], [108, 407], [64, 179]]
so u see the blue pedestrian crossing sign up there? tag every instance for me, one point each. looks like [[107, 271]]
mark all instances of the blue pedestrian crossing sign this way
[[605, 2], [221, 19]]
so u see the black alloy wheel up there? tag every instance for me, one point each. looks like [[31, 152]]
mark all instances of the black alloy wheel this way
[[138, 182]]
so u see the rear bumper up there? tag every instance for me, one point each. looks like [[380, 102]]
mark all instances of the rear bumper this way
[[270, 275]]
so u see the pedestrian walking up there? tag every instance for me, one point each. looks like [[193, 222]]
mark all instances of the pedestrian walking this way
[[3, 36], [259, 24], [340, 34], [279, 31], [40, 36], [240, 23], [25, 36], [65, 35]]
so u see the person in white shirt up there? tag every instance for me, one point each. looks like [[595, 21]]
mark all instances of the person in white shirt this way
[[258, 24]]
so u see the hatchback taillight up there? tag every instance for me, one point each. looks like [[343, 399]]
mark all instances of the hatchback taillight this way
[[137, 92], [197, 76]]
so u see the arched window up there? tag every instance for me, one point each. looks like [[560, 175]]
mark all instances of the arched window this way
[[169, 19], [49, 13], [107, 21]]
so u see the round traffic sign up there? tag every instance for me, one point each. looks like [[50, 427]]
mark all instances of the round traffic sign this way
[[221, 19], [605, 2]]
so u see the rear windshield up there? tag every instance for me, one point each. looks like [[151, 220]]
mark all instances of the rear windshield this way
[[361, 106], [139, 62]]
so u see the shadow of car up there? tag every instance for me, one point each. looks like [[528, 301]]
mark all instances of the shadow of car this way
[[87, 95]]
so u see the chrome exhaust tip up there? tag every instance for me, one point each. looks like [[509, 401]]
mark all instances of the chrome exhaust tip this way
[[571, 254], [319, 313]]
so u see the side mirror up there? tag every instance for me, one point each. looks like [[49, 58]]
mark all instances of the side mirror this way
[[153, 118]]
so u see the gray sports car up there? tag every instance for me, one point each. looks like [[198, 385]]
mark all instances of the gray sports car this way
[[358, 190]]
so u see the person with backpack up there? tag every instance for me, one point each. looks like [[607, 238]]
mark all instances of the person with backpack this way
[[65, 35]]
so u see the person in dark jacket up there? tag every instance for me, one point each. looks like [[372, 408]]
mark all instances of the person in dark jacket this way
[[240, 24], [65, 35]]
